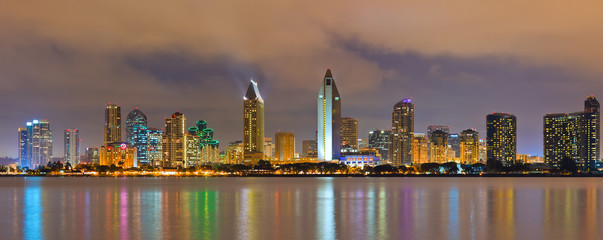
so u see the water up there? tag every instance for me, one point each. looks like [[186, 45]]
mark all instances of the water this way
[[301, 208]]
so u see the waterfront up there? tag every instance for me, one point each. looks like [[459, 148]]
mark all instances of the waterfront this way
[[300, 208]]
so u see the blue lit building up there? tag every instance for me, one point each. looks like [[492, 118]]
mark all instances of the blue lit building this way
[[35, 144], [136, 134]]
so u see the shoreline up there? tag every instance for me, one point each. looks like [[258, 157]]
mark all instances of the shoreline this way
[[332, 175]]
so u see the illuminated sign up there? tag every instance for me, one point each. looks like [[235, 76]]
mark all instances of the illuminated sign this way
[[123, 146]]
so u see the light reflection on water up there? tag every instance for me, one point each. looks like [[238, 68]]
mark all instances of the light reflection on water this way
[[300, 208]]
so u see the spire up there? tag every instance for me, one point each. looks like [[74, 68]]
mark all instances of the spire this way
[[253, 92], [328, 74]]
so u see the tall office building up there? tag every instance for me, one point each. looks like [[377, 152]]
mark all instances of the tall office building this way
[[420, 148], [35, 144], [380, 140], [23, 154], [154, 147], [329, 120], [309, 149], [234, 152], [174, 141], [574, 135], [454, 141], [253, 123], [136, 134], [112, 124], [285, 146], [193, 149], [501, 140], [349, 135], [269, 150], [438, 147], [403, 127], [469, 150], [72, 146]]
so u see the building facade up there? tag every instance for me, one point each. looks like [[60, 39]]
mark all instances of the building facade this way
[[174, 141], [420, 149], [403, 127], [72, 146], [112, 124], [575, 136], [329, 120], [380, 140], [469, 150], [438, 147], [136, 134], [349, 135], [501, 140], [253, 123], [285, 146], [309, 149], [35, 144]]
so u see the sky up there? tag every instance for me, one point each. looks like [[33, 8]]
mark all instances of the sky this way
[[64, 60]]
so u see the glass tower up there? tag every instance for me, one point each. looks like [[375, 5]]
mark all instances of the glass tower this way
[[329, 120]]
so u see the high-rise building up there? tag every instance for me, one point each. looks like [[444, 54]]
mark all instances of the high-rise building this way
[[362, 143], [309, 149], [92, 155], [285, 146], [501, 138], [438, 147], [432, 128], [454, 141], [469, 150], [403, 127], [575, 135], [420, 149], [112, 124], [483, 149], [174, 141], [35, 144], [380, 140], [193, 149], [136, 134], [154, 147], [253, 123], [23, 150], [329, 120], [72, 146], [349, 135]]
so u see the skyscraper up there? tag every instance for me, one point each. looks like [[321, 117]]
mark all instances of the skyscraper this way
[[403, 127], [349, 135], [380, 140], [23, 149], [92, 155], [501, 140], [72, 146], [574, 135], [253, 123], [469, 151], [35, 145], [420, 149], [329, 120], [174, 141], [438, 146], [285, 146], [155, 147], [112, 124], [136, 134]]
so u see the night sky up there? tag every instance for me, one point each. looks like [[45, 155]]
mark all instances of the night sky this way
[[459, 60]]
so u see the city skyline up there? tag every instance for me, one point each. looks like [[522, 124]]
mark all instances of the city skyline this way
[[56, 65], [60, 147]]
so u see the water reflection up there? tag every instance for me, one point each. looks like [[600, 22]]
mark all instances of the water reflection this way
[[301, 208]]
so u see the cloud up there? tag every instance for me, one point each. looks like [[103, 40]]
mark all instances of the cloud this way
[[64, 60]]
